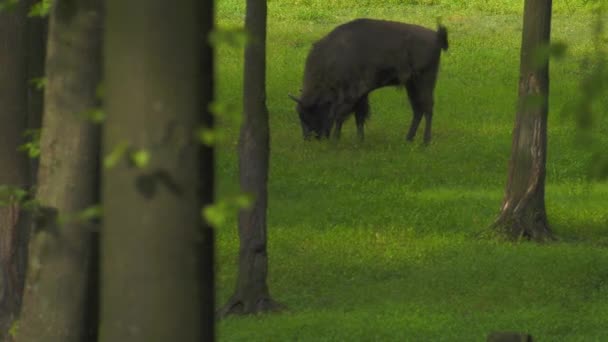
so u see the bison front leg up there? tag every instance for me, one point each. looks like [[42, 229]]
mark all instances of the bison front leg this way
[[338, 128], [340, 113], [361, 114]]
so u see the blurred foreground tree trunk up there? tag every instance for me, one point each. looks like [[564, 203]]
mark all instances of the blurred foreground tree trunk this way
[[151, 267], [523, 212], [37, 41], [14, 170], [207, 175], [59, 252], [252, 295]]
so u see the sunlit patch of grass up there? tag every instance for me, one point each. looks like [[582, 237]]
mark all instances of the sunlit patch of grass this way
[[387, 240]]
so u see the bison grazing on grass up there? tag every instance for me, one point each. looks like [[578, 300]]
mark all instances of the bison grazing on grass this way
[[363, 55]]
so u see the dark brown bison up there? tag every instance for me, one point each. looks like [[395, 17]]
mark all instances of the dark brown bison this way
[[363, 55]]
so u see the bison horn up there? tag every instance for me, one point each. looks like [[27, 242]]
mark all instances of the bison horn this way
[[295, 98]]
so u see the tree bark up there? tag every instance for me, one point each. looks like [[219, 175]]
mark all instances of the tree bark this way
[[59, 252], [37, 41], [207, 176], [151, 267], [252, 295], [14, 170], [523, 212]]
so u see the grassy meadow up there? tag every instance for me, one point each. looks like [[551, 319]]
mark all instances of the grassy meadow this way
[[388, 241]]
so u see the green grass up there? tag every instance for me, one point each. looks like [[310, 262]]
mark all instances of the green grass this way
[[385, 240]]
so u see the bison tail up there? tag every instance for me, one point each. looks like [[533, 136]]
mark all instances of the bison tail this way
[[442, 37]]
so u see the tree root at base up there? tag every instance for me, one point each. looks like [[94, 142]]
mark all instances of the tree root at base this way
[[246, 306]]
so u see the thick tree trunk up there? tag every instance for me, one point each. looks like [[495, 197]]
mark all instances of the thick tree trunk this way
[[13, 164], [523, 212], [55, 293], [207, 176], [252, 295], [151, 267]]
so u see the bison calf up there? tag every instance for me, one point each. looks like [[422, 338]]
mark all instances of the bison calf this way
[[363, 55]]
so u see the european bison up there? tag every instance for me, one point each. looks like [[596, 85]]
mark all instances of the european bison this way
[[363, 55]]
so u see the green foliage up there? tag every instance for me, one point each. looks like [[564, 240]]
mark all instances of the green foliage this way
[[94, 115], [100, 91], [14, 329], [140, 158], [557, 50], [94, 212], [39, 82], [41, 8], [8, 5], [32, 147], [235, 37], [380, 240], [12, 194], [116, 155], [225, 111], [208, 136], [219, 212]]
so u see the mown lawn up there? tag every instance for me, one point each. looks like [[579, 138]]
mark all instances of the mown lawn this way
[[385, 240]]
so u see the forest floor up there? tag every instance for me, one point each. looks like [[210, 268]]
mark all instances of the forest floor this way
[[389, 241]]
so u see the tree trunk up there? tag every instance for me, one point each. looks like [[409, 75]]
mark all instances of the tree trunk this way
[[37, 39], [55, 293], [13, 164], [207, 176], [151, 267], [252, 295], [523, 212]]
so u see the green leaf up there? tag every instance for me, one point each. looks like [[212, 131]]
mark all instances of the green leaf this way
[[244, 201], [223, 109], [215, 214], [32, 147], [41, 9], [100, 91], [95, 115], [12, 331], [90, 213], [206, 136], [116, 155], [12, 194], [140, 158], [558, 50], [234, 37], [39, 82], [8, 5]]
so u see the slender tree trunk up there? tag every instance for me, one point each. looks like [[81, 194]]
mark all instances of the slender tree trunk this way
[[207, 175], [252, 295], [151, 267], [523, 212], [55, 293], [13, 164]]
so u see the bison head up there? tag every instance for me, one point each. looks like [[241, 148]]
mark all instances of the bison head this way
[[315, 118]]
